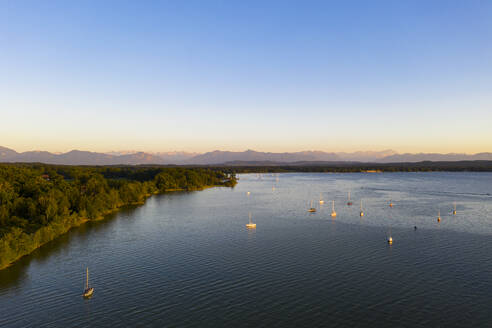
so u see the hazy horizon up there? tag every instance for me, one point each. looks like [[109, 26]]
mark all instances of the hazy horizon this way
[[273, 76], [130, 151]]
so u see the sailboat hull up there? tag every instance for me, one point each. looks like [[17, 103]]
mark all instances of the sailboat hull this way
[[88, 292], [251, 225]]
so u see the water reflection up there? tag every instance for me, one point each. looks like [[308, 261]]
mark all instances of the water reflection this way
[[17, 272]]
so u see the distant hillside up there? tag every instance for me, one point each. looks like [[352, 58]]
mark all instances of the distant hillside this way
[[77, 157], [409, 158], [219, 157], [7, 152]]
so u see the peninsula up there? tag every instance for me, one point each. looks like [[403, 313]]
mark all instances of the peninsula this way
[[39, 202]]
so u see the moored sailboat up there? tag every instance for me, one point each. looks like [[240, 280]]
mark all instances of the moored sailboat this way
[[88, 290], [349, 202], [250, 225], [311, 208], [333, 213]]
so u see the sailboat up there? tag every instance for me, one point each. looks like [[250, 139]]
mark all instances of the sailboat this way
[[250, 225], [361, 211], [439, 216], [390, 239], [321, 201], [333, 213], [454, 208], [312, 209], [391, 204], [349, 201], [88, 290]]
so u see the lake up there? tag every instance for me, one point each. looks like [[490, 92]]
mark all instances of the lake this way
[[187, 259]]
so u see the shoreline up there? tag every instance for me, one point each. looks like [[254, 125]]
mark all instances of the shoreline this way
[[80, 221]]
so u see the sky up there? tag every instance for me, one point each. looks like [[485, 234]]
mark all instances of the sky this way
[[413, 76]]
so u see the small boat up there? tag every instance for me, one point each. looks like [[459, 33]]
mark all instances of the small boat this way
[[333, 213], [439, 216], [250, 225], [312, 209], [391, 204], [248, 193], [349, 201], [390, 239], [454, 208], [88, 290], [321, 201], [361, 211]]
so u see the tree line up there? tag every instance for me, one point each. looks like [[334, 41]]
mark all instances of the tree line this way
[[354, 167], [38, 202]]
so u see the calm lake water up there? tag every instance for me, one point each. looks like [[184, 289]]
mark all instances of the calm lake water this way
[[187, 259]]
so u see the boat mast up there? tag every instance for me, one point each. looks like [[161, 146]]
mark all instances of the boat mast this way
[[249, 214], [87, 280]]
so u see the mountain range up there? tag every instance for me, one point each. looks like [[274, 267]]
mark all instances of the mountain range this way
[[78, 157]]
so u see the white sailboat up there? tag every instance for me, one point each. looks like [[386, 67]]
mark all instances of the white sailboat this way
[[439, 216], [361, 211], [312, 209], [88, 290], [321, 201], [333, 213], [390, 239], [454, 208], [349, 202], [250, 225]]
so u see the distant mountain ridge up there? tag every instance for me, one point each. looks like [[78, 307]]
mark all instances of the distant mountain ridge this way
[[78, 157]]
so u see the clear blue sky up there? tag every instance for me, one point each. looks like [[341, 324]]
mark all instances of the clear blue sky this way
[[268, 75]]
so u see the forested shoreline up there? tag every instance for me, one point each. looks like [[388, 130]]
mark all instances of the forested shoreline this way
[[39, 202], [355, 167]]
